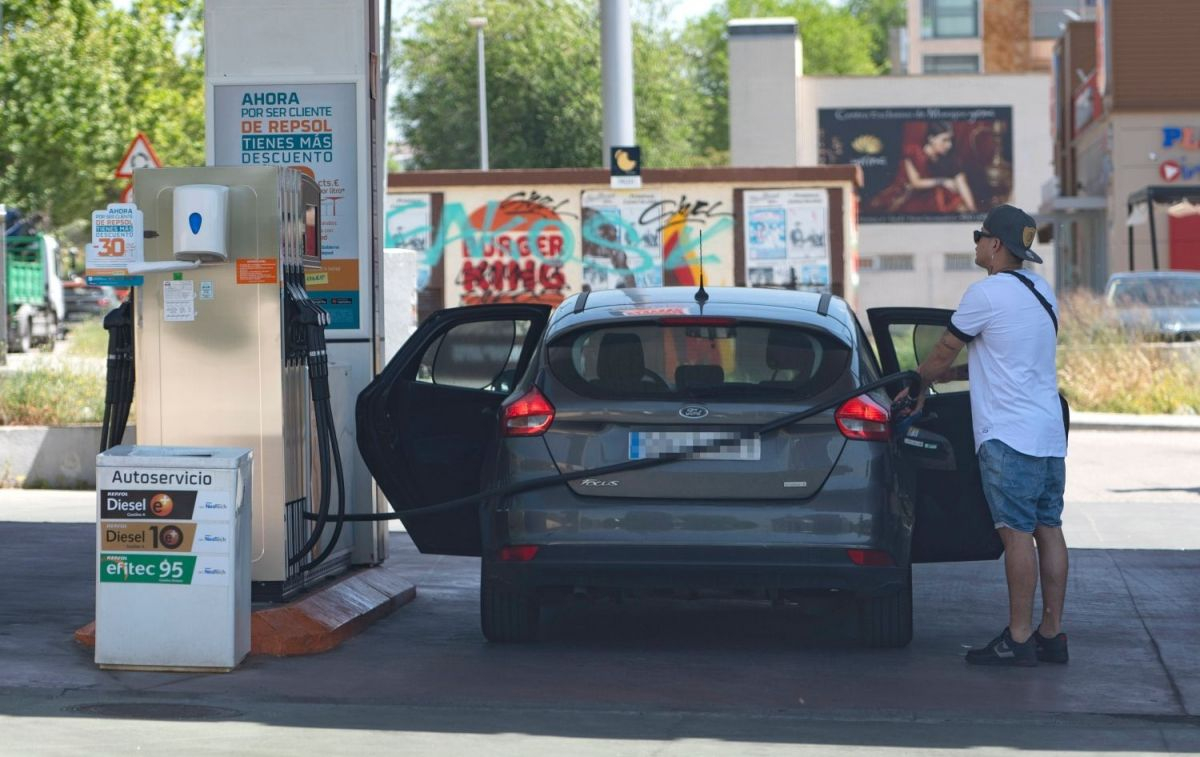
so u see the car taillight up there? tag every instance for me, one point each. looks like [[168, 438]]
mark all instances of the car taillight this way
[[518, 553], [528, 415], [874, 558], [863, 418]]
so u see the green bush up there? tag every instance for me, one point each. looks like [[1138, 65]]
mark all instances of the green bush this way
[[51, 394]]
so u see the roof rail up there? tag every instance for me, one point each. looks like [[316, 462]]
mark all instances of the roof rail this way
[[823, 305], [581, 303]]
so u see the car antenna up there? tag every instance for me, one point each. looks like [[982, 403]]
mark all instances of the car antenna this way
[[701, 295]]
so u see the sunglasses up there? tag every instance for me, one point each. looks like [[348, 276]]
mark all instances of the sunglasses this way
[[983, 235]]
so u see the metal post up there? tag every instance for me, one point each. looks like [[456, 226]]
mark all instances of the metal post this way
[[3, 283], [1129, 226], [1153, 235], [616, 69], [478, 24]]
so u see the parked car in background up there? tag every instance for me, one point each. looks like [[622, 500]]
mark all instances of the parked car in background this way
[[84, 301], [1160, 304], [836, 504]]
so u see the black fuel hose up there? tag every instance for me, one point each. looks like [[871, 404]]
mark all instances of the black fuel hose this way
[[340, 518], [909, 378], [119, 374]]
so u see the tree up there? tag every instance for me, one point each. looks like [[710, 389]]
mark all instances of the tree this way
[[880, 16], [543, 86], [834, 42], [78, 79]]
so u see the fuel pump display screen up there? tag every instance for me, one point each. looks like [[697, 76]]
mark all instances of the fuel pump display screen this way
[[311, 233]]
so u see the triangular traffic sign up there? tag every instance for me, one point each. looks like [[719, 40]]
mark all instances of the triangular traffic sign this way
[[139, 154]]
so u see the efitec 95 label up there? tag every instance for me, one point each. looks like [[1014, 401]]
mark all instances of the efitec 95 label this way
[[147, 569]]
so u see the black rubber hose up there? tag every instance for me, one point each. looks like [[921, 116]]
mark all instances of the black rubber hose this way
[[322, 516], [340, 518], [910, 378]]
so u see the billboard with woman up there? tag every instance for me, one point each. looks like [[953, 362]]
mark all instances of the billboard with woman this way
[[923, 164]]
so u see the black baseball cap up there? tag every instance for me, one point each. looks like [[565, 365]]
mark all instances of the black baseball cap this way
[[1015, 229]]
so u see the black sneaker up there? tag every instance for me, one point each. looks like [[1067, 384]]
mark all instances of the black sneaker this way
[[1002, 650], [1051, 650]]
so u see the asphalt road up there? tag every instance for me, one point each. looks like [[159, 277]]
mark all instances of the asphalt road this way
[[656, 678]]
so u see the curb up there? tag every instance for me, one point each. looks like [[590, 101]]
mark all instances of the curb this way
[[323, 618], [1130, 422]]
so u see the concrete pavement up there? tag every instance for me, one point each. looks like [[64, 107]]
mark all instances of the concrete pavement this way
[[641, 678]]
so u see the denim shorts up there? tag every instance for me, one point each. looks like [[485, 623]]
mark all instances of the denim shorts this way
[[1022, 491]]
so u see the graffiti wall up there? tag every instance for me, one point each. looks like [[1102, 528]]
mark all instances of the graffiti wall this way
[[541, 244]]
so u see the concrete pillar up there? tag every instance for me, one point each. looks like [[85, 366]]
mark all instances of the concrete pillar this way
[[765, 66]]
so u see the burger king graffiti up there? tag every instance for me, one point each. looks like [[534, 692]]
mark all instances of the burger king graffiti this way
[[523, 246]]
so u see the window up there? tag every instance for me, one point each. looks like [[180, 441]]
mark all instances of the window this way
[[914, 343], [730, 360], [949, 18], [479, 355], [960, 261], [895, 263], [951, 64]]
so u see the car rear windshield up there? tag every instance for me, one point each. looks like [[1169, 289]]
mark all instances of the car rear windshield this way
[[724, 359]]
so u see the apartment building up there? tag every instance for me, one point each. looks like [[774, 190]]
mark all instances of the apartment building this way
[[1126, 121], [981, 36]]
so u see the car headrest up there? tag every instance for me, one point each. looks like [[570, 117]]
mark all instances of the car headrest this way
[[620, 358], [790, 350], [698, 376]]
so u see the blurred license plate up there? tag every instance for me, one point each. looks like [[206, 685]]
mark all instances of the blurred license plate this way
[[716, 445]]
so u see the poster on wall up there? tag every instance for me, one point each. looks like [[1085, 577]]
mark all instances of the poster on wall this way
[[786, 238], [621, 240], [511, 250], [923, 165], [408, 223], [311, 127]]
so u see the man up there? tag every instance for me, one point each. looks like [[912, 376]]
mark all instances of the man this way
[[1018, 425]]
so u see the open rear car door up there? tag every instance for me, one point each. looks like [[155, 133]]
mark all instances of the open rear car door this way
[[952, 520], [427, 420]]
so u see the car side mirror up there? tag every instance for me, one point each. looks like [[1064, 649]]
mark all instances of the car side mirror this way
[[925, 450]]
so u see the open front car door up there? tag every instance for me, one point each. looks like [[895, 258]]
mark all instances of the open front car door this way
[[952, 522], [426, 422]]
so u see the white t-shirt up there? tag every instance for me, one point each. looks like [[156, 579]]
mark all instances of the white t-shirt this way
[[1014, 383]]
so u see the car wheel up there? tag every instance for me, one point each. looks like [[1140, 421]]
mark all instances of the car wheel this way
[[24, 340], [507, 615], [886, 621]]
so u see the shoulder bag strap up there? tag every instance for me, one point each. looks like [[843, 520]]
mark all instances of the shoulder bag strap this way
[[1066, 409], [1029, 285]]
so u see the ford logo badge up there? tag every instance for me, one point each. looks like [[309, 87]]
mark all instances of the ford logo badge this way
[[693, 412]]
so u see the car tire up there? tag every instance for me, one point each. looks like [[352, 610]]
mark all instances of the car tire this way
[[507, 616], [24, 336], [886, 621]]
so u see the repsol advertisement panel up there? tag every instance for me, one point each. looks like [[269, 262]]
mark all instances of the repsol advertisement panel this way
[[922, 165]]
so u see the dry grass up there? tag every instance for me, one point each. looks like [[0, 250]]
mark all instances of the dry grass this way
[[1105, 368], [51, 394]]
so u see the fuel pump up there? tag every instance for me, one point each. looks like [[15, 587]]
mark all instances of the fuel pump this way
[[229, 351]]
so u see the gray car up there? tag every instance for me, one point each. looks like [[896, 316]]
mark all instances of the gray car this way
[[550, 416], [1158, 304]]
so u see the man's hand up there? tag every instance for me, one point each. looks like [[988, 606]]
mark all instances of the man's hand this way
[[905, 405]]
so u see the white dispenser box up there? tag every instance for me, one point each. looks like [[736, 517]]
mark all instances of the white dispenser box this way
[[201, 222], [173, 558]]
